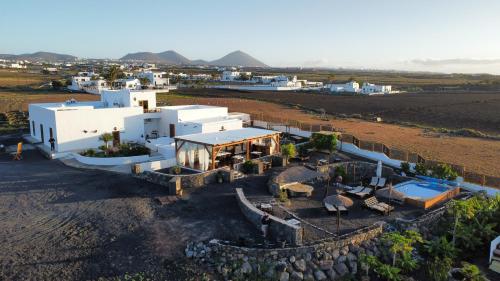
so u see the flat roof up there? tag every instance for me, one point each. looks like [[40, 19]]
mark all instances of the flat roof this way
[[229, 136]]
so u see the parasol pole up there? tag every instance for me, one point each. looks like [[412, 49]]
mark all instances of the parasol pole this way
[[338, 223]]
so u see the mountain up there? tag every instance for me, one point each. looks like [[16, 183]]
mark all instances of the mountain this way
[[168, 57], [238, 58], [40, 56]]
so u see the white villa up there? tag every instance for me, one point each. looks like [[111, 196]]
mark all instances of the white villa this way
[[127, 83], [157, 79], [228, 76], [349, 87], [369, 88], [84, 82], [188, 133]]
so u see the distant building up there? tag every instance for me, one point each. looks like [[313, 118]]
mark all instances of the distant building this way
[[157, 79], [349, 87], [228, 76], [369, 88], [16, 65], [127, 83]]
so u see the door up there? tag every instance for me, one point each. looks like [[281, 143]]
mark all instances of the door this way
[[116, 138], [144, 104], [41, 133], [172, 130]]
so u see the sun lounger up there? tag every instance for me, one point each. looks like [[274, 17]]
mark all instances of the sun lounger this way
[[374, 204], [355, 190], [374, 181], [381, 182], [332, 209], [365, 192]]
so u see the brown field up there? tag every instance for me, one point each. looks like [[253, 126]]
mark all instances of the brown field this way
[[20, 100], [478, 155], [13, 78], [479, 111]]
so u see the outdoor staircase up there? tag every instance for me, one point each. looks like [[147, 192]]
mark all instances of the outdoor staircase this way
[[238, 175], [495, 260]]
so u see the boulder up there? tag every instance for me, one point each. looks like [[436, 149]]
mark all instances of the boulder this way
[[341, 259], [353, 266], [319, 275], [331, 274], [296, 276], [292, 259], [284, 276], [308, 276], [341, 269], [351, 257], [325, 264], [335, 254], [246, 268], [300, 265]]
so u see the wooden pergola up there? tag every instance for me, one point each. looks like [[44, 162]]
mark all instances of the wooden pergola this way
[[216, 148]]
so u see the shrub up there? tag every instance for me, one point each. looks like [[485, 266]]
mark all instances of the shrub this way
[[248, 167], [138, 150], [288, 151], [421, 169], [444, 171], [175, 170], [470, 272], [89, 152], [324, 142], [340, 171], [283, 196], [437, 268], [388, 272], [405, 167]]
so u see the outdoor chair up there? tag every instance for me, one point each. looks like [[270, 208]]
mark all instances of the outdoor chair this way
[[374, 204], [365, 192], [381, 182], [332, 209], [18, 155], [374, 182], [355, 190]]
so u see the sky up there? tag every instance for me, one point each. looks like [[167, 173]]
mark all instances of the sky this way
[[424, 35]]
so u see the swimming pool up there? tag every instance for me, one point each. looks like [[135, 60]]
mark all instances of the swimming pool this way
[[426, 193]]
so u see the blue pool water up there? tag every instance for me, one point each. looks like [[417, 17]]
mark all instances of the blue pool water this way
[[421, 189]]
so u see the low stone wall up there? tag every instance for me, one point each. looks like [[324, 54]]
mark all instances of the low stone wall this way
[[187, 181], [325, 260], [279, 229], [110, 161]]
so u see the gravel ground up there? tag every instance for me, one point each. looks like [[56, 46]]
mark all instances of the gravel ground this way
[[61, 223]]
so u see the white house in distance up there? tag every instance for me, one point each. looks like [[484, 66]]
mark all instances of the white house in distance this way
[[157, 79], [349, 87], [228, 76], [369, 88], [132, 116], [127, 83]]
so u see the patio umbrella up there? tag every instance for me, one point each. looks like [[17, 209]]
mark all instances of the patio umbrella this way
[[339, 200], [390, 193], [379, 169]]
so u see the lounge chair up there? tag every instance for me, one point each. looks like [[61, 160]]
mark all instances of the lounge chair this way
[[374, 204], [365, 192], [18, 155], [355, 190], [381, 182], [374, 182], [332, 209]]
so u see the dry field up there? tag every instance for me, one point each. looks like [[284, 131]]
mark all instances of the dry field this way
[[14, 78], [478, 155]]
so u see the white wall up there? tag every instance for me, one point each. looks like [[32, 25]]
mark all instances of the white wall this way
[[71, 125], [45, 117]]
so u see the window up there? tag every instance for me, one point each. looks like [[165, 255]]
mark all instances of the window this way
[[33, 126]]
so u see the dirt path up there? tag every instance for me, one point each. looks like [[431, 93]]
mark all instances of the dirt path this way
[[478, 155]]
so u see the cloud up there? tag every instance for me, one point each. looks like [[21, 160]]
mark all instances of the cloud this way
[[458, 61]]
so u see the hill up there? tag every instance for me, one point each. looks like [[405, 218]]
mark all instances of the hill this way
[[238, 58], [40, 56]]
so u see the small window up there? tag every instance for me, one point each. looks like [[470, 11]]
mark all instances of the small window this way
[[33, 126]]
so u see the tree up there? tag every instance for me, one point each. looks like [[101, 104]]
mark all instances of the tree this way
[[405, 167], [244, 77], [444, 171], [113, 73], [144, 81], [106, 138], [324, 142], [288, 150], [401, 244], [57, 84]]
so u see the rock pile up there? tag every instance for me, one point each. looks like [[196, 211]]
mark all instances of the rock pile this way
[[327, 264]]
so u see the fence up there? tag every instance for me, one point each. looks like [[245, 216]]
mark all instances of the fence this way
[[392, 153]]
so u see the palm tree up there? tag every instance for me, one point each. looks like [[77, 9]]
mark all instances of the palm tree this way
[[288, 150], [106, 138]]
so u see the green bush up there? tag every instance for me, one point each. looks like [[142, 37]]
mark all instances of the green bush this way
[[283, 196], [175, 170], [437, 268], [470, 272], [421, 169], [340, 171], [324, 142], [405, 167], [444, 171], [89, 152], [248, 167], [288, 151]]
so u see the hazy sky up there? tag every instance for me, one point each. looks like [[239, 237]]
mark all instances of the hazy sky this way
[[433, 35]]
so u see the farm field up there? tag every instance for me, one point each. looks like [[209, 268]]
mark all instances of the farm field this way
[[478, 155], [476, 110]]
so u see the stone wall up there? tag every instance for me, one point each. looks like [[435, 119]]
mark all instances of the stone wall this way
[[325, 260], [279, 229], [187, 181]]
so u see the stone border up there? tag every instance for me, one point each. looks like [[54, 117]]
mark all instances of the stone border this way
[[110, 161], [278, 229]]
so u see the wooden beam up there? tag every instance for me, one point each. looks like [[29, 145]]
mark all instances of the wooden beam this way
[[249, 145]]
